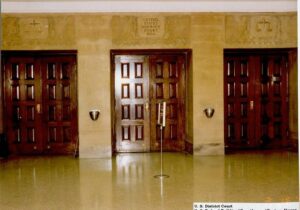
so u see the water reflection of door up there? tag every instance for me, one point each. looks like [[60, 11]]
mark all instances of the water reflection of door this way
[[40, 102], [140, 83], [256, 99]]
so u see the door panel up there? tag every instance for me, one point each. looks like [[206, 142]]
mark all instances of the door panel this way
[[59, 103], [273, 101], [167, 84], [255, 95], [239, 94], [40, 103], [132, 103], [22, 79]]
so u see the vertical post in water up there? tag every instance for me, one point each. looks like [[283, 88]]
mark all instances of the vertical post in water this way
[[161, 121], [161, 162]]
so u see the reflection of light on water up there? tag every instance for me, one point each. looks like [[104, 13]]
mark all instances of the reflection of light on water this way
[[161, 187], [161, 177], [161, 184], [229, 171], [19, 173], [34, 176], [130, 168]]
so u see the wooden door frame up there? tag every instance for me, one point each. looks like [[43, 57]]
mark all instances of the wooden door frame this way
[[32, 53], [257, 52], [147, 52]]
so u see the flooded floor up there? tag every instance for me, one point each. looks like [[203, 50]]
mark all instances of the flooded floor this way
[[126, 182]]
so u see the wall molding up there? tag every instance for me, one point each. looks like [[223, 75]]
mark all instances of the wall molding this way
[[91, 6]]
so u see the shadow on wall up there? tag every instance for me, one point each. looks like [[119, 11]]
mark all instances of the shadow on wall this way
[[3, 146]]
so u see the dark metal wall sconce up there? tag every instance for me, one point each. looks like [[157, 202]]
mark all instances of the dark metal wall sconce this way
[[209, 112], [94, 114]]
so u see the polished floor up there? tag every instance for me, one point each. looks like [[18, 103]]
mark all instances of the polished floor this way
[[126, 182]]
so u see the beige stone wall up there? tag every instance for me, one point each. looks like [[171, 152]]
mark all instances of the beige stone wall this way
[[293, 99], [94, 35], [207, 44]]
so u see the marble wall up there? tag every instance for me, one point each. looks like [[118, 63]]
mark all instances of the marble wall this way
[[207, 34]]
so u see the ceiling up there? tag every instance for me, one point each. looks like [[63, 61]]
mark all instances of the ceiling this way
[[73, 6]]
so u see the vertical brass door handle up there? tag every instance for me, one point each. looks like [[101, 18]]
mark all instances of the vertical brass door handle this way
[[38, 108], [251, 105], [147, 106]]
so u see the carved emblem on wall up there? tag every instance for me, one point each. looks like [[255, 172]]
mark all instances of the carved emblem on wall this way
[[36, 31], [259, 29], [151, 30], [264, 27], [34, 28]]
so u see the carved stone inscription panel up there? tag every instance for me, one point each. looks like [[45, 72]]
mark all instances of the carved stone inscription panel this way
[[262, 30], [151, 26], [34, 28], [43, 31], [263, 27], [151, 30]]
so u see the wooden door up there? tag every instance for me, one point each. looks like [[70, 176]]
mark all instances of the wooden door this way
[[140, 83], [132, 103], [239, 96], [22, 98], [255, 96], [167, 84], [40, 103], [59, 105], [273, 94]]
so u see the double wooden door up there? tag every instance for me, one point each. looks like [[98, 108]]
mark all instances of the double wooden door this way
[[141, 82], [256, 99], [40, 103]]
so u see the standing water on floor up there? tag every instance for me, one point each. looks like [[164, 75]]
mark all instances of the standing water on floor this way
[[127, 181]]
